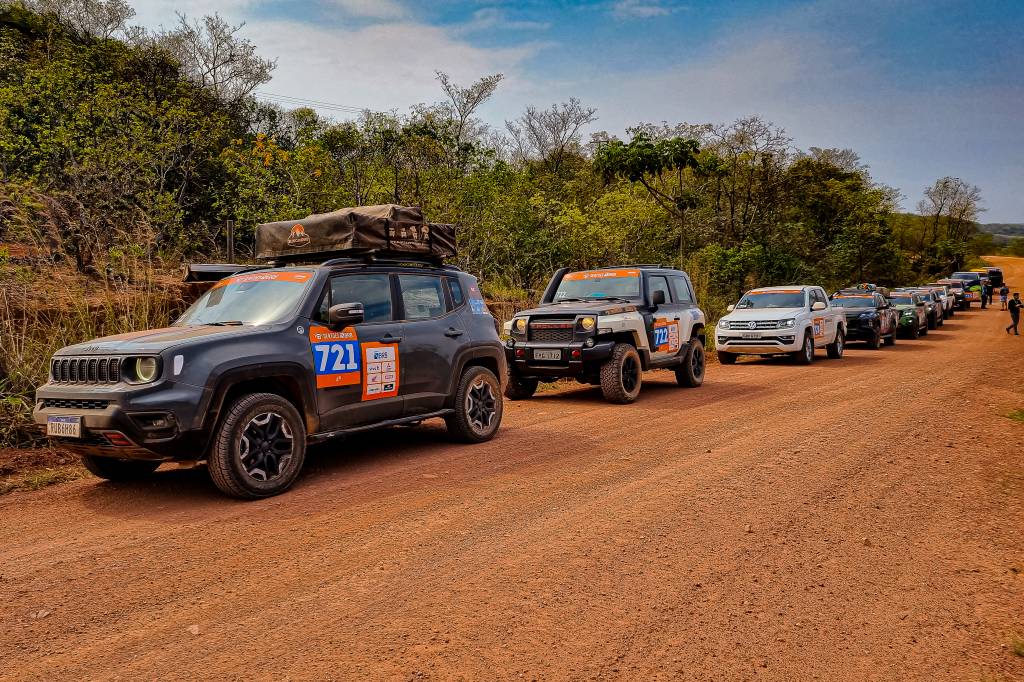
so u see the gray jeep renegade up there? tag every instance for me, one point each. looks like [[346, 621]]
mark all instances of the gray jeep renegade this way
[[272, 359]]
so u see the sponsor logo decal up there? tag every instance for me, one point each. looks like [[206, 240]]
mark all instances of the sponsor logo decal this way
[[666, 335], [381, 362], [298, 237], [336, 357], [600, 274], [295, 277]]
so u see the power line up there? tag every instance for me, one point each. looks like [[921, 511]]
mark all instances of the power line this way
[[320, 104]]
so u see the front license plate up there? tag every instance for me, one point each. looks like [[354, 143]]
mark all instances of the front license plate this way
[[547, 355], [68, 427], [750, 335]]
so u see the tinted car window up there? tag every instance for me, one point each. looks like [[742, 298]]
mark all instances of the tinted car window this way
[[455, 287], [422, 296], [373, 291], [681, 290], [658, 283]]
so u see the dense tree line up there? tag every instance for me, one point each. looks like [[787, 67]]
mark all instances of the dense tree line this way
[[116, 142]]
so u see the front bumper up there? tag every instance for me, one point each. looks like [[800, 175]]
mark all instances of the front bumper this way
[[129, 422], [574, 358], [860, 332], [770, 342]]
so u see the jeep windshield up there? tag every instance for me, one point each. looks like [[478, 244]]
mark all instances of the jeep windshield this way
[[902, 300], [756, 300], [599, 284], [854, 301], [252, 298]]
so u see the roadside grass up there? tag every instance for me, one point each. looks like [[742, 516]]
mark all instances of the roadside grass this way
[[41, 478], [1016, 415]]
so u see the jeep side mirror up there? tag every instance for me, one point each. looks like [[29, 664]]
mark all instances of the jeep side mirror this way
[[731, 308], [658, 298], [344, 314], [818, 305]]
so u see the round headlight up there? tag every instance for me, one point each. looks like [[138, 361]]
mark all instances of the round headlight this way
[[588, 323], [520, 325], [145, 369]]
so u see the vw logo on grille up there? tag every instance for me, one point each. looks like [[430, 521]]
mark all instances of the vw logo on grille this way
[[751, 325]]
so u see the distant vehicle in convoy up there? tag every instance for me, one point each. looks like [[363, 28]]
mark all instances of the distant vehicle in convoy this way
[[973, 284], [933, 304], [605, 327], [957, 289], [994, 275], [913, 311], [946, 294], [869, 316], [274, 357], [785, 320]]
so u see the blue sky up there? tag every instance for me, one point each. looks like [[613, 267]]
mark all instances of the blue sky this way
[[919, 88]]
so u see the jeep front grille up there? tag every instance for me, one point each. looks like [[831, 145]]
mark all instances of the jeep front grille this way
[[71, 404], [759, 324], [86, 370], [552, 330]]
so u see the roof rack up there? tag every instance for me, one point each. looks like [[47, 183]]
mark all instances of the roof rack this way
[[371, 258], [631, 265]]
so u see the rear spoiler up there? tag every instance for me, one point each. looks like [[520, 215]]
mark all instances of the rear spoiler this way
[[214, 272]]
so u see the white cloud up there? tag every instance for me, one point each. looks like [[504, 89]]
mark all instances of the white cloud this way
[[639, 9], [494, 17], [372, 9]]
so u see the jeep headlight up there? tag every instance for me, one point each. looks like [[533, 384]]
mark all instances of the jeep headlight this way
[[787, 323], [144, 370], [588, 323], [723, 323], [519, 326]]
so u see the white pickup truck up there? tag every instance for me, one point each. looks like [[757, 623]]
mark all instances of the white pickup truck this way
[[789, 320]]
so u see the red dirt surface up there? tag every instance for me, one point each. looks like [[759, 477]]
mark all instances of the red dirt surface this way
[[855, 519]]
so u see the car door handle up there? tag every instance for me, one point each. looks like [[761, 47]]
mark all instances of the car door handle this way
[[388, 338], [453, 332]]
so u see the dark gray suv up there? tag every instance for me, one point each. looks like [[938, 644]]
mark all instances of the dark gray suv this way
[[271, 359]]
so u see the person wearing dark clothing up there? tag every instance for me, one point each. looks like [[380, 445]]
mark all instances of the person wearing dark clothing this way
[[1015, 306], [1004, 295], [989, 290]]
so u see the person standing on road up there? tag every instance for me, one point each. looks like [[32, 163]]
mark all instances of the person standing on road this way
[[989, 289], [1015, 306], [1004, 294]]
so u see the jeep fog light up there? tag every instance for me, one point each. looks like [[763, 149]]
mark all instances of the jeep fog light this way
[[588, 323], [589, 343]]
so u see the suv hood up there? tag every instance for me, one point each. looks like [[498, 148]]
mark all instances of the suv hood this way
[[149, 340], [580, 308], [764, 314]]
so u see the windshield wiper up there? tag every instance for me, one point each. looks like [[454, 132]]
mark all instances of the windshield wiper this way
[[611, 298], [227, 323]]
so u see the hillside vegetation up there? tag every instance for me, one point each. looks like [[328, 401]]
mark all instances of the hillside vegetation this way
[[124, 153]]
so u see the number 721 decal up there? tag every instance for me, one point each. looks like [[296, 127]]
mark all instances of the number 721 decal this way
[[337, 359]]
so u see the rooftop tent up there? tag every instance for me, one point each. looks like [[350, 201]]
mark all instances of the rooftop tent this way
[[387, 229]]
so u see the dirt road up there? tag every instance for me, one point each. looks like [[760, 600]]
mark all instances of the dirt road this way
[[856, 519]]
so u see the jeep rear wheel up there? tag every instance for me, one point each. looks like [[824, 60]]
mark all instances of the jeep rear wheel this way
[[259, 447], [621, 375], [478, 407], [691, 373], [520, 389], [114, 469]]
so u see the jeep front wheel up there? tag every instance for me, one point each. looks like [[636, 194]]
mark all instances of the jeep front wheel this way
[[478, 407], [621, 375], [258, 448], [691, 373], [520, 389], [114, 469]]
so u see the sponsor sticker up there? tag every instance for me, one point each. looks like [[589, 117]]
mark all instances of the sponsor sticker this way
[[666, 335], [476, 301], [600, 274], [818, 325], [297, 236], [293, 276], [381, 362]]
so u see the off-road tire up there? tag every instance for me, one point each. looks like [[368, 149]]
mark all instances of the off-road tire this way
[[520, 389], [838, 345], [875, 342], [114, 469], [913, 331], [891, 339], [932, 322], [225, 460], [726, 358], [924, 330], [690, 374], [805, 355], [478, 407], [622, 375]]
